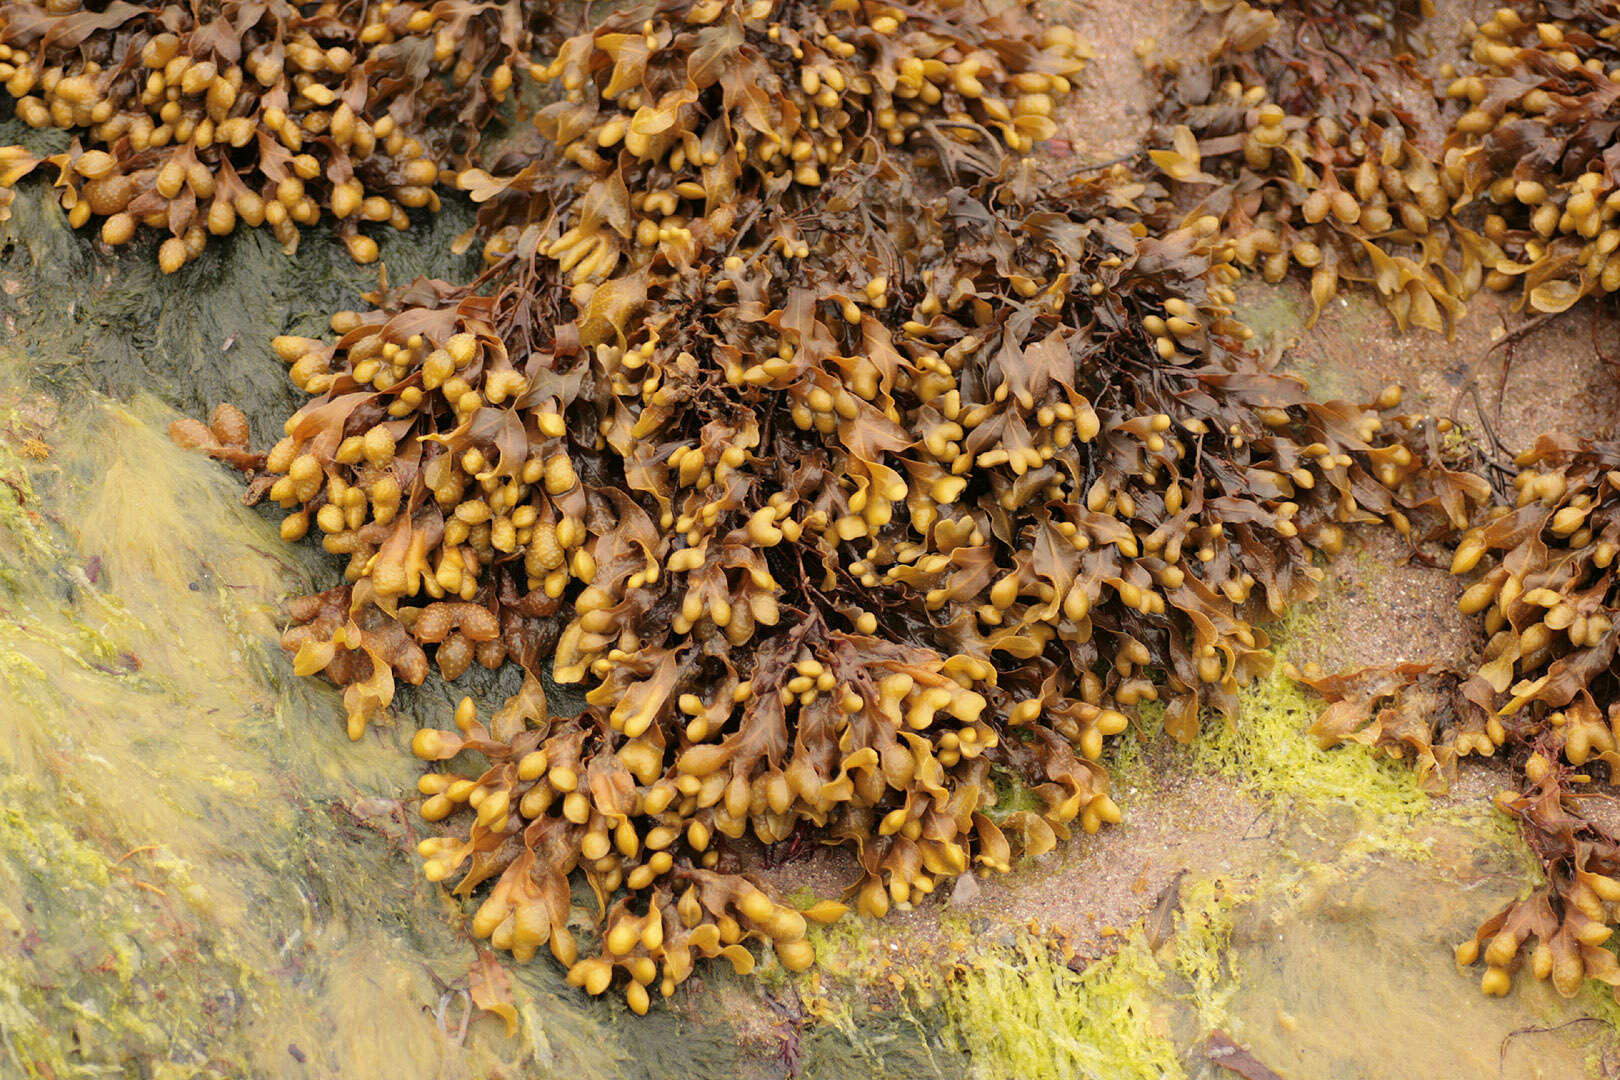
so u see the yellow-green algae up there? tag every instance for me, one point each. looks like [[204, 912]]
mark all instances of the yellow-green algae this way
[[1024, 1013], [1268, 751]]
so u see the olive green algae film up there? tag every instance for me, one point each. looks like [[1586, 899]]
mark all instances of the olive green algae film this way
[[201, 876], [117, 324]]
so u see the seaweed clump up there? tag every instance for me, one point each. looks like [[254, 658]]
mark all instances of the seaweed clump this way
[[848, 454], [1320, 151], [1544, 692], [194, 121], [1340, 158], [1536, 143]]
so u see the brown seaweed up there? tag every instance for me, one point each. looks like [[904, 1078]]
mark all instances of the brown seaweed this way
[[194, 120]]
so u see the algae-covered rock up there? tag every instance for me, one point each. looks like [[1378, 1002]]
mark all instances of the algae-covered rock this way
[[115, 323]]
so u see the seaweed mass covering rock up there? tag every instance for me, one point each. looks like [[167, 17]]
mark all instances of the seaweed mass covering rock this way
[[853, 458]]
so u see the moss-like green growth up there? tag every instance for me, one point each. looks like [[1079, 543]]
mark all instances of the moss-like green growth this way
[[1269, 752], [1025, 1013]]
